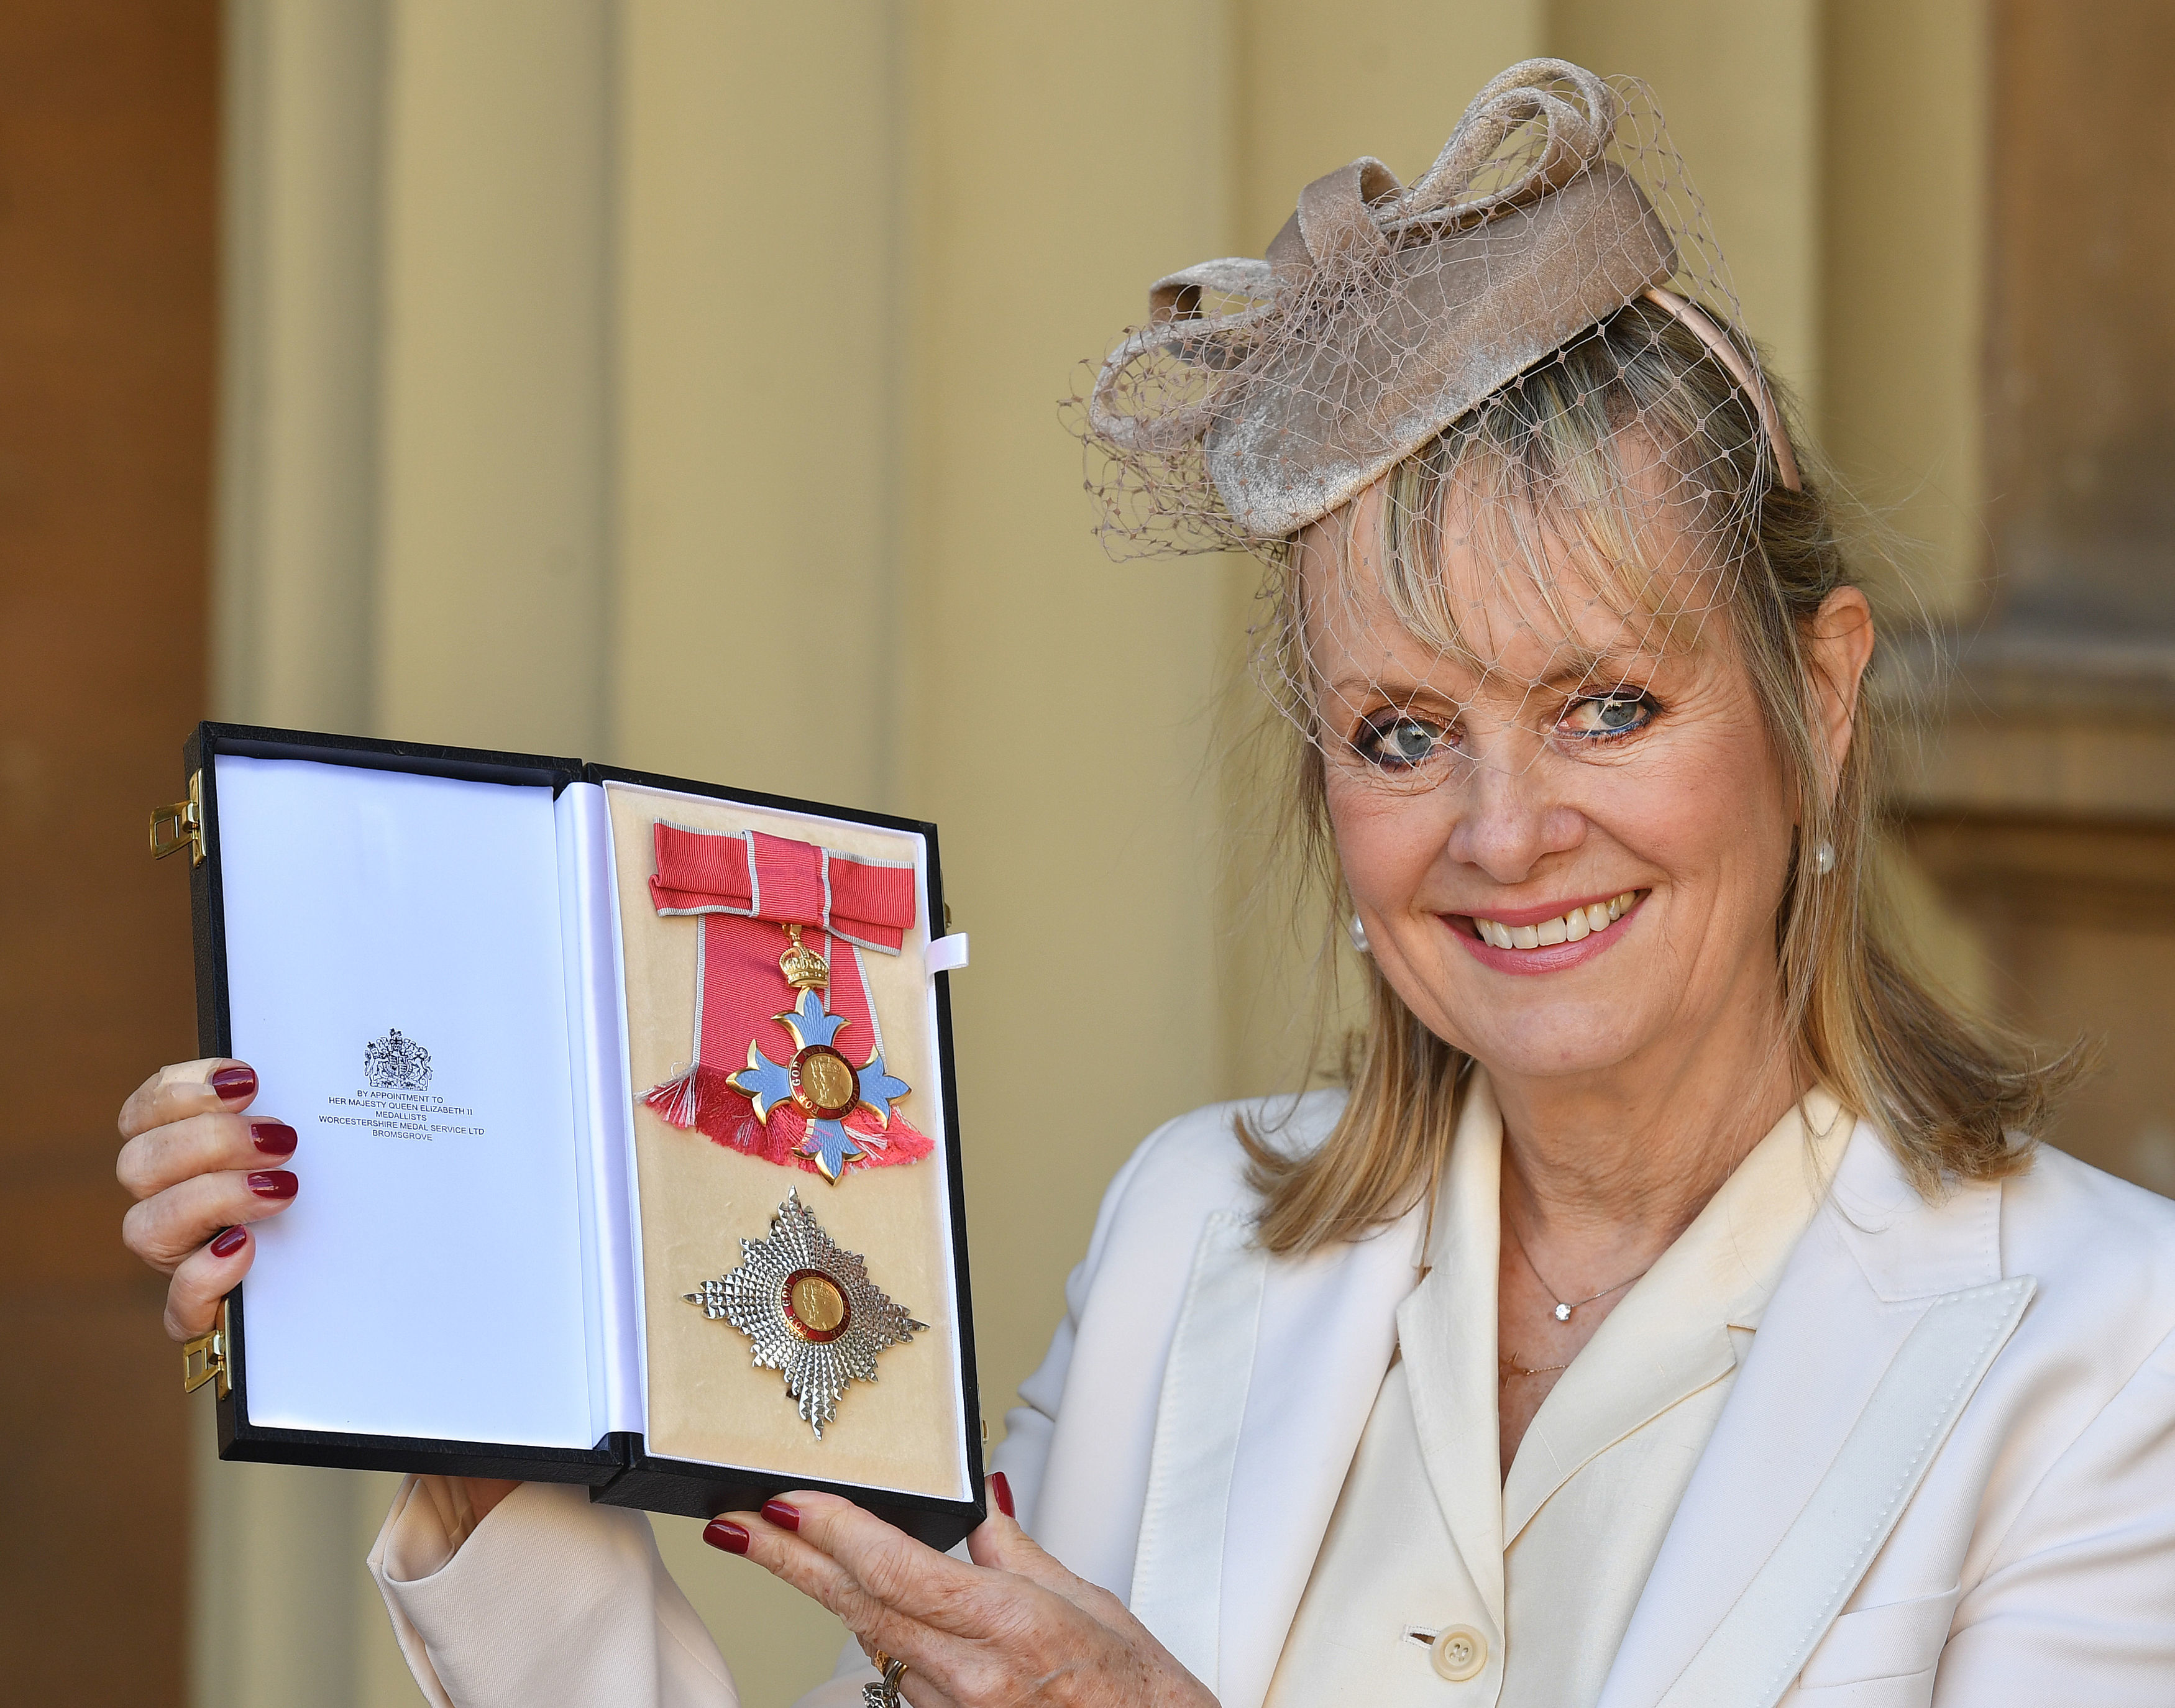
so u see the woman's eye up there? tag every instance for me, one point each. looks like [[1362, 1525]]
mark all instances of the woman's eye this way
[[1397, 741], [1609, 714]]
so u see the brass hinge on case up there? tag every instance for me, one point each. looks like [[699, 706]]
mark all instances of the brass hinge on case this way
[[181, 824], [204, 1357]]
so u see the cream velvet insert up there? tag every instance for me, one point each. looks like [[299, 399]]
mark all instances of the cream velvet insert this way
[[706, 1400]]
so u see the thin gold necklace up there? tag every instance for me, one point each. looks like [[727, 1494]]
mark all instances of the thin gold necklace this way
[[1507, 1367], [1563, 1307]]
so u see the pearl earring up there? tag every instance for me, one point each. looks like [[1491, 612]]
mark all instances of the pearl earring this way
[[1823, 859], [1357, 933]]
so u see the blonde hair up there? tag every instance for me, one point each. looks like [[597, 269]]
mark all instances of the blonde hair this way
[[1951, 1092]]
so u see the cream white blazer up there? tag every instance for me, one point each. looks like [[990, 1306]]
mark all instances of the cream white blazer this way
[[1945, 1474]]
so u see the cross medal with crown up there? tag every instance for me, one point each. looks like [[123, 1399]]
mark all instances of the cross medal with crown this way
[[819, 1080]]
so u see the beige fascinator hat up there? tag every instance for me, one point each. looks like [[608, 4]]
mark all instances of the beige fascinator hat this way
[[1262, 394]]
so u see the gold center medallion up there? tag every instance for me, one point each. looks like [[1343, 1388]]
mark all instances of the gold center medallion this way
[[815, 1307], [824, 1084]]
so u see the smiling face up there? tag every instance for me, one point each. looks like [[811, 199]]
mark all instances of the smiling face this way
[[1568, 837]]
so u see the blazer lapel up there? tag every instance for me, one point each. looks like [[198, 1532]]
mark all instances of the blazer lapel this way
[[1273, 1370], [1888, 1315], [1198, 1419], [1764, 1639], [1450, 1351]]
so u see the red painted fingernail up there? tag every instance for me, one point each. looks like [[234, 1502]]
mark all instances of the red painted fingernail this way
[[274, 1138], [723, 1533], [230, 1242], [1001, 1486], [779, 1513], [235, 1083], [272, 1182]]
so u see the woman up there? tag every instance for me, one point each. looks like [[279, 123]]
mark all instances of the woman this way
[[1675, 1307]]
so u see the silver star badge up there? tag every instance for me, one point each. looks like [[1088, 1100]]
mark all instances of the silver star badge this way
[[811, 1310]]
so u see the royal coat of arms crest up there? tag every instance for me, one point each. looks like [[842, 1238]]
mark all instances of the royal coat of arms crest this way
[[396, 1063]]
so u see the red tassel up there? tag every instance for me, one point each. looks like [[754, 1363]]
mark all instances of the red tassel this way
[[702, 1100]]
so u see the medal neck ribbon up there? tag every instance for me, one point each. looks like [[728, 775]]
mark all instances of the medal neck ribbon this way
[[746, 886]]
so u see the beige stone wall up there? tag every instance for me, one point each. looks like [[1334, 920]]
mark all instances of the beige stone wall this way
[[1903, 209], [609, 376]]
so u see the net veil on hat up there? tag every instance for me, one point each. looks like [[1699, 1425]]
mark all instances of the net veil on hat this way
[[1263, 394]]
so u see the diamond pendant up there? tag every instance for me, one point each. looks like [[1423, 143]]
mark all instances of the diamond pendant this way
[[1563, 1311]]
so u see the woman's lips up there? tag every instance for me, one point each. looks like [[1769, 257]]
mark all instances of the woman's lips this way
[[1546, 957]]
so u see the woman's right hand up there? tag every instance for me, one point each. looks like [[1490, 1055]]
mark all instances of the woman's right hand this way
[[200, 1171]]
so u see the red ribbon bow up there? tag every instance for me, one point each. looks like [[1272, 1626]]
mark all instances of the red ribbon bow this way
[[745, 885]]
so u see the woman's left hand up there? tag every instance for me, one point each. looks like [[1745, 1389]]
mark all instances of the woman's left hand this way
[[1013, 1628]]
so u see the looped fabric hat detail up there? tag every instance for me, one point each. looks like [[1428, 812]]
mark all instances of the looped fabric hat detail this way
[[1263, 394]]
